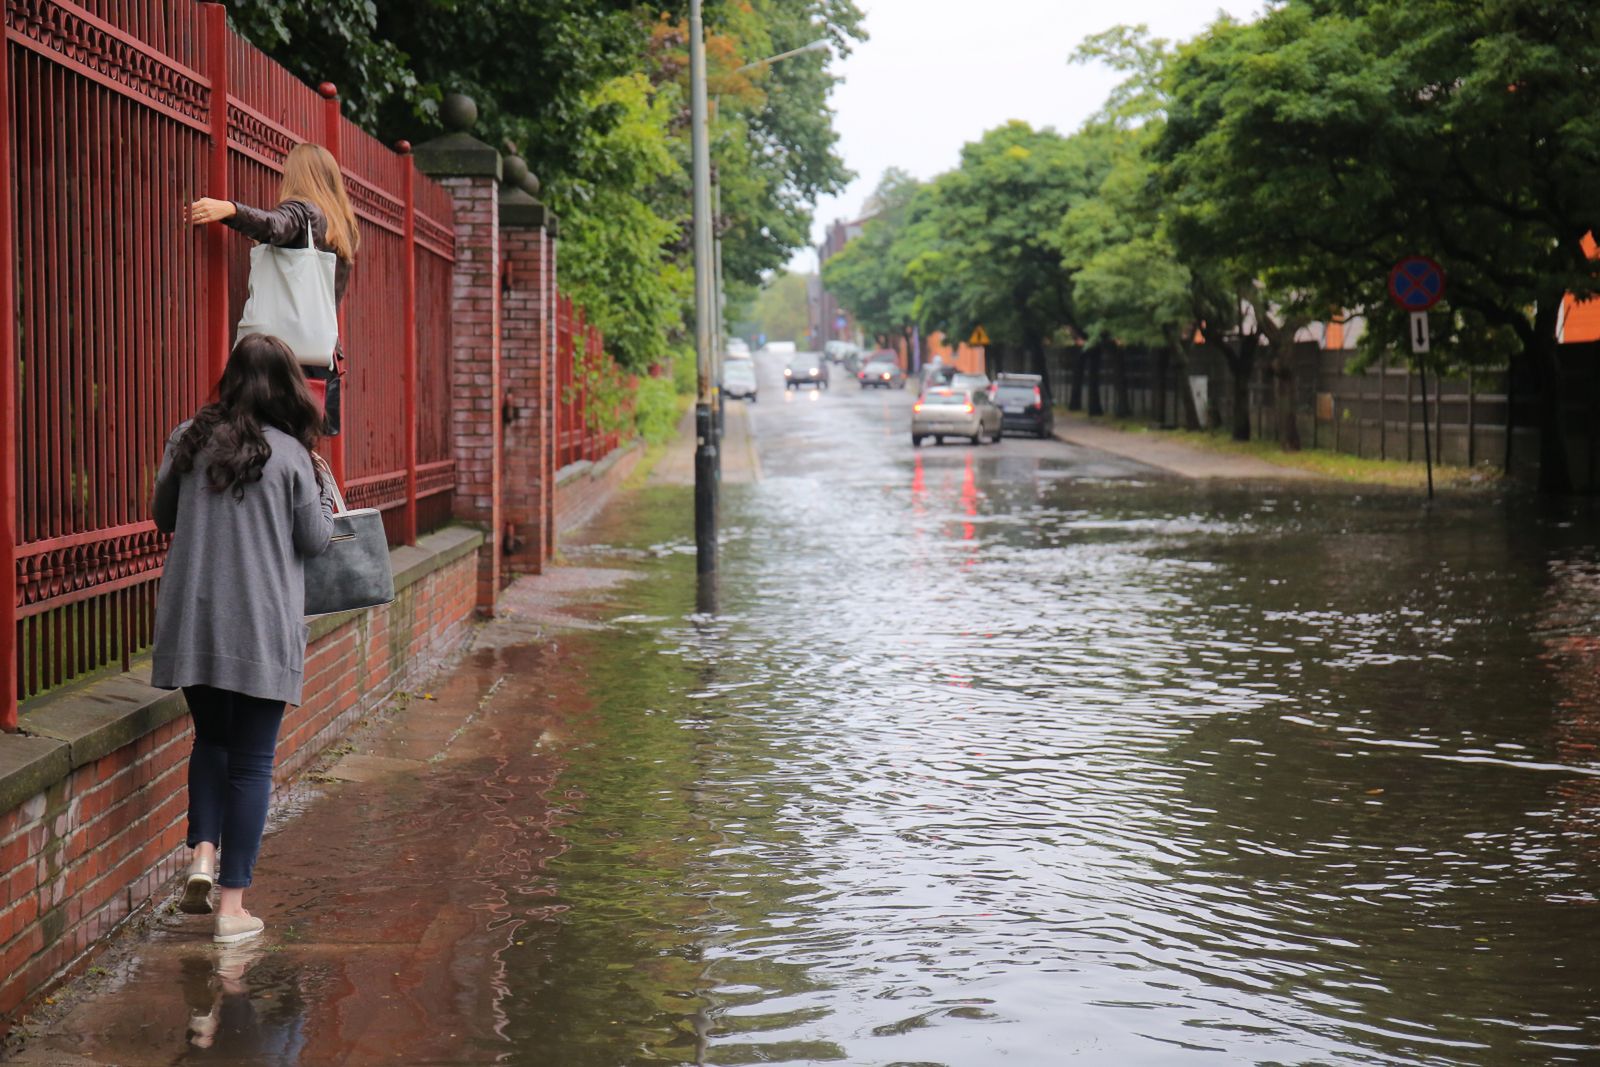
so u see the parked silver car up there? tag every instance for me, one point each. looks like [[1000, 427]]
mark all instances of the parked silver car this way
[[944, 412], [739, 379]]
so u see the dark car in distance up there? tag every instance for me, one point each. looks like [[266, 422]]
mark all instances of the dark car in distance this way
[[882, 371], [808, 368], [1024, 408]]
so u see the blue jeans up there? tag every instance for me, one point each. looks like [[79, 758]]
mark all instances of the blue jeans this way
[[230, 775]]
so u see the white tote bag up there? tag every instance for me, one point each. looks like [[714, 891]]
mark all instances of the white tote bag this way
[[292, 298]]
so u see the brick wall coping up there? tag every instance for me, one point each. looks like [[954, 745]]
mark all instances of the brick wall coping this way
[[83, 723], [594, 468]]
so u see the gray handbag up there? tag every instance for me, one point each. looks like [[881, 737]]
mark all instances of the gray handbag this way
[[353, 571]]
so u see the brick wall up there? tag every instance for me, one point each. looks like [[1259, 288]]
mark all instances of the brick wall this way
[[475, 408], [585, 487], [524, 376], [99, 844]]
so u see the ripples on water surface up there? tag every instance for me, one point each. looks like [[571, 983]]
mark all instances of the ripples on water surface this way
[[988, 760]]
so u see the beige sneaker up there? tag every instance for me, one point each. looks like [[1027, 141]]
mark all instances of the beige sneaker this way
[[232, 928], [196, 899]]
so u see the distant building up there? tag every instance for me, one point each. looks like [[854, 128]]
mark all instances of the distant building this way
[[830, 322]]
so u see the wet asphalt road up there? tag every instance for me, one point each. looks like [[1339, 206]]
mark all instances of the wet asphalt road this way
[[1016, 753]]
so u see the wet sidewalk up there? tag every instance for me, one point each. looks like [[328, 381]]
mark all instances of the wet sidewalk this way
[[393, 881], [1174, 457], [740, 462]]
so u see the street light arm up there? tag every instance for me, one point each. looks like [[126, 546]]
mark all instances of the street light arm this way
[[815, 46]]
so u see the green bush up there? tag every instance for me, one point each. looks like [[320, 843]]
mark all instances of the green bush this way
[[683, 373], [655, 409]]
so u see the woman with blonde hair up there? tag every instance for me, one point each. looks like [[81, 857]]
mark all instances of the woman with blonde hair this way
[[311, 195]]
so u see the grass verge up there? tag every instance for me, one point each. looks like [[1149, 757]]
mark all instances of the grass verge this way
[[1339, 466]]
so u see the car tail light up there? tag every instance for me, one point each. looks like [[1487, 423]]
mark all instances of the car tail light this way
[[787, 372], [1038, 398], [885, 375], [967, 407], [917, 406]]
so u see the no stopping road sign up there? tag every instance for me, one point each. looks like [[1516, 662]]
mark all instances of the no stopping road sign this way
[[1416, 283]]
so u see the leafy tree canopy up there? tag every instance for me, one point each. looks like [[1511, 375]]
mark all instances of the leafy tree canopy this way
[[869, 275]]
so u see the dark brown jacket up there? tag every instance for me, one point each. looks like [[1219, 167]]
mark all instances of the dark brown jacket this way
[[285, 226]]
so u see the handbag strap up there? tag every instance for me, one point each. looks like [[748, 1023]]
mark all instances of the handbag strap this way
[[339, 506], [310, 242], [332, 484]]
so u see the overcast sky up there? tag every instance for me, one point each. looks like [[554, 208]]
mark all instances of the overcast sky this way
[[935, 74]]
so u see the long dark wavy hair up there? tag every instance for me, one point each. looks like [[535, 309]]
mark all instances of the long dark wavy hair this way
[[261, 386]]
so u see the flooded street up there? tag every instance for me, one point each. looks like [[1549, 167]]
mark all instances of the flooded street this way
[[1016, 753], [1005, 754]]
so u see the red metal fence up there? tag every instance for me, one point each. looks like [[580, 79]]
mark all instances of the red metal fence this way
[[584, 370], [117, 317]]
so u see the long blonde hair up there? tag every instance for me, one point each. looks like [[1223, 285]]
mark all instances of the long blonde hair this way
[[310, 173]]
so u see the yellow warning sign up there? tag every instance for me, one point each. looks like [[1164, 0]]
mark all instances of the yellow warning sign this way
[[979, 337]]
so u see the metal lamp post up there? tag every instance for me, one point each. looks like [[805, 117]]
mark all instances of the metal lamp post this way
[[707, 308], [705, 453]]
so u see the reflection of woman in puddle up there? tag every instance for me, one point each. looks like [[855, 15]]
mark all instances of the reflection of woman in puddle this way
[[223, 1019]]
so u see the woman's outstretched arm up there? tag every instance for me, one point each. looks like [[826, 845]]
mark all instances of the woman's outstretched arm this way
[[282, 225]]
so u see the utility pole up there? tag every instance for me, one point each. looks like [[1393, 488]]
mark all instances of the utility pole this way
[[705, 454]]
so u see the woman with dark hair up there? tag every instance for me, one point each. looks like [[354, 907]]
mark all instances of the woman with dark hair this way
[[243, 492]]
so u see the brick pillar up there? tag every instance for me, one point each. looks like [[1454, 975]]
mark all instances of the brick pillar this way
[[523, 368], [552, 293], [469, 170]]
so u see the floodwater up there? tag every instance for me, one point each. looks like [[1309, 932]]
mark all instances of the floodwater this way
[[1012, 754]]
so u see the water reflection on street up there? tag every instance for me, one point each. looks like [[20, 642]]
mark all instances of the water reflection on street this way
[[1022, 752]]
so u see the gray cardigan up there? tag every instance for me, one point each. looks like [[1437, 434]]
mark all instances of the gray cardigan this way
[[230, 613]]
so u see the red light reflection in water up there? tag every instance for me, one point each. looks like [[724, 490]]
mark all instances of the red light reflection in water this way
[[969, 501], [1573, 602], [967, 496]]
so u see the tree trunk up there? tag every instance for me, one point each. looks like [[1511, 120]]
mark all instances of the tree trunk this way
[[1037, 357], [1079, 367], [1239, 368], [1284, 401], [1163, 359], [1555, 473], [1186, 405], [1121, 403], [1092, 353]]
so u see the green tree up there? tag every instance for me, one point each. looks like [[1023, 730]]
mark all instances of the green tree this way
[[775, 147], [1326, 141], [393, 62], [1128, 285], [613, 258], [986, 234], [868, 277], [780, 309]]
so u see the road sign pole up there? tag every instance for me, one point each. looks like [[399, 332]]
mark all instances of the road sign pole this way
[[1427, 434], [1416, 283]]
